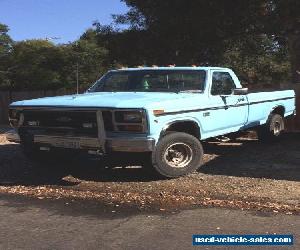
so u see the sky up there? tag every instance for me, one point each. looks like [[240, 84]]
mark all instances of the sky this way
[[63, 19]]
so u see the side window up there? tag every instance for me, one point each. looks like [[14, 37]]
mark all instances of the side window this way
[[222, 84]]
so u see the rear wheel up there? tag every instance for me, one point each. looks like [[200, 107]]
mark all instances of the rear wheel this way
[[177, 154], [273, 129]]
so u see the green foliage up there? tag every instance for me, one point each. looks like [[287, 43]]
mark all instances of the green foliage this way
[[85, 55], [5, 48], [257, 59], [5, 40], [188, 31], [221, 32], [41, 65], [259, 39], [285, 24], [91, 60], [35, 65]]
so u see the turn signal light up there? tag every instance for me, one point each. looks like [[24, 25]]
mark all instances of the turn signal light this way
[[158, 111], [130, 128]]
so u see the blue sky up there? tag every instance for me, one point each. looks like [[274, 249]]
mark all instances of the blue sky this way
[[66, 19]]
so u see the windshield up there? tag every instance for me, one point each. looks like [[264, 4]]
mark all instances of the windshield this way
[[151, 81]]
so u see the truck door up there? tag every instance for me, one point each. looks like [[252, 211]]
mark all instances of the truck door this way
[[228, 112]]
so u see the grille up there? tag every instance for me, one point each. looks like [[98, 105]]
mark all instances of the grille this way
[[73, 122], [63, 121]]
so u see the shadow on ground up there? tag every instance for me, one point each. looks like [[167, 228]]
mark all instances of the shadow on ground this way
[[252, 158], [16, 169], [242, 158]]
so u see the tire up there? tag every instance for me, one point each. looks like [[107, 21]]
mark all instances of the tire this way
[[272, 130], [177, 154]]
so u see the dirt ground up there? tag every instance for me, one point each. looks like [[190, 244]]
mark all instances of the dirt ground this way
[[244, 174]]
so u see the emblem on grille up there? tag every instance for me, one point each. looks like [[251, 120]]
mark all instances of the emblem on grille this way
[[64, 119]]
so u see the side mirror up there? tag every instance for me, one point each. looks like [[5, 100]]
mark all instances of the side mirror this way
[[240, 91], [244, 83]]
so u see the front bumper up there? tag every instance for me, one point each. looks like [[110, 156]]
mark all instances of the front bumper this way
[[12, 136], [117, 144], [131, 144]]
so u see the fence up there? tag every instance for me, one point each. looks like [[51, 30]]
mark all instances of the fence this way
[[6, 97]]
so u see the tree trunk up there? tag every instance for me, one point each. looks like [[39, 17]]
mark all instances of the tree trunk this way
[[294, 48]]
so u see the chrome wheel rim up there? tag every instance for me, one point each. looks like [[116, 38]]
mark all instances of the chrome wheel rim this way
[[178, 155], [277, 128]]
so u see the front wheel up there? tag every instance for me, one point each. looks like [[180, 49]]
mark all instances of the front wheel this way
[[177, 154]]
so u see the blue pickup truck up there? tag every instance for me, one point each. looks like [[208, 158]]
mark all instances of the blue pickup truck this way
[[163, 111]]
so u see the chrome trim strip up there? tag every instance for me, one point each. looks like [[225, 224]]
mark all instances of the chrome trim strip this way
[[83, 142], [12, 136], [221, 107], [125, 144], [114, 121], [131, 144], [274, 100]]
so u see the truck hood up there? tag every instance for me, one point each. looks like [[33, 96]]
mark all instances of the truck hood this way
[[147, 100]]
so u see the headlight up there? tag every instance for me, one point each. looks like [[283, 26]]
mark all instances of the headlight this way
[[16, 117], [129, 116], [13, 113], [131, 121]]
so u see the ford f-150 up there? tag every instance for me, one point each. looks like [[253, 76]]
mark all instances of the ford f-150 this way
[[163, 111]]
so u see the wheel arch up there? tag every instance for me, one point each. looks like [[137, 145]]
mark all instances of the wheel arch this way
[[189, 126], [279, 109]]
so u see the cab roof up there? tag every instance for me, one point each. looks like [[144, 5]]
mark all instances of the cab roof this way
[[171, 68]]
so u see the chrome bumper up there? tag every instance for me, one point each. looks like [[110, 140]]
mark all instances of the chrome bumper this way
[[12, 136], [123, 144], [131, 144]]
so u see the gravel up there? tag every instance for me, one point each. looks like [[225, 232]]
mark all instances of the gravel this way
[[244, 174]]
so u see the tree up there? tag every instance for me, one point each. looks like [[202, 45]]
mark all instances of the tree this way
[[5, 49], [36, 65], [258, 59], [260, 39], [284, 22], [187, 31], [42, 65], [89, 56], [5, 40], [217, 32]]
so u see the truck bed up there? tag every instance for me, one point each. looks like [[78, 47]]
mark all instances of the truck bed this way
[[262, 103]]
